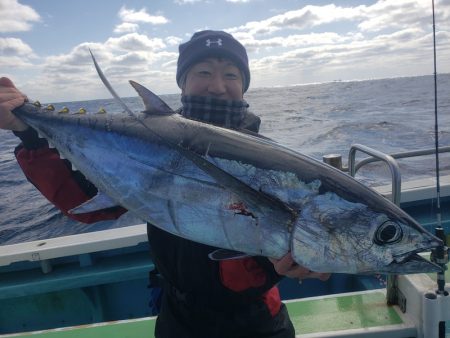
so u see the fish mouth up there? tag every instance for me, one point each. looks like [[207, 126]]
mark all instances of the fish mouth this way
[[413, 263]]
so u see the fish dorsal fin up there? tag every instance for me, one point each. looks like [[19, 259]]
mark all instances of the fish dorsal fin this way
[[153, 104]]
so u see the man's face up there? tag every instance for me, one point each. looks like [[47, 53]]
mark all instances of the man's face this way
[[215, 77]]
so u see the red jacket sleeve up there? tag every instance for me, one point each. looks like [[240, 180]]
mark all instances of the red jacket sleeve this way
[[252, 275], [63, 187]]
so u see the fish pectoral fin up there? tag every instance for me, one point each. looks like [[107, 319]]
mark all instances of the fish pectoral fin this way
[[98, 202], [254, 199], [152, 102], [225, 254]]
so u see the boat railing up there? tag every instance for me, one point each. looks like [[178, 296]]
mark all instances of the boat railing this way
[[375, 156], [406, 154]]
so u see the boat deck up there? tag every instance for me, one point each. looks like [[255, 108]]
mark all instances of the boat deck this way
[[364, 312]]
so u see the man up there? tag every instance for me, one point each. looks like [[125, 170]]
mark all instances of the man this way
[[201, 298]]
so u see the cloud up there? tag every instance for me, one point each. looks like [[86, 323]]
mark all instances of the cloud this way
[[135, 42], [131, 50], [379, 55], [306, 17], [395, 14], [132, 59], [131, 56], [386, 38], [133, 16], [10, 62], [293, 41], [15, 17], [307, 44], [14, 47], [173, 40], [126, 27], [186, 2], [15, 55], [382, 15]]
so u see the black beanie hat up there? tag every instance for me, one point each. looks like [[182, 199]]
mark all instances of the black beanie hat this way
[[209, 43]]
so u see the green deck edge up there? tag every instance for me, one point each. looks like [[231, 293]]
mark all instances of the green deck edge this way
[[123, 329], [344, 312]]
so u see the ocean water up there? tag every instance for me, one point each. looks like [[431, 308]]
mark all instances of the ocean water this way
[[390, 115]]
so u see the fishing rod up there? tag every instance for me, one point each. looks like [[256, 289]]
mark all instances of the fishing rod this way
[[440, 255], [436, 127]]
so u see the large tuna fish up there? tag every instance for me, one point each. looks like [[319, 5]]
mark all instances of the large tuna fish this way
[[234, 190]]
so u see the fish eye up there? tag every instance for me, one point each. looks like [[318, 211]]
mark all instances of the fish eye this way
[[388, 233]]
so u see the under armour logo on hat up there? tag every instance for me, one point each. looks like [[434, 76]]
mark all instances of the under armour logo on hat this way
[[209, 42]]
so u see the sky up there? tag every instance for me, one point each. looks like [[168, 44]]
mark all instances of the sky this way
[[44, 44]]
